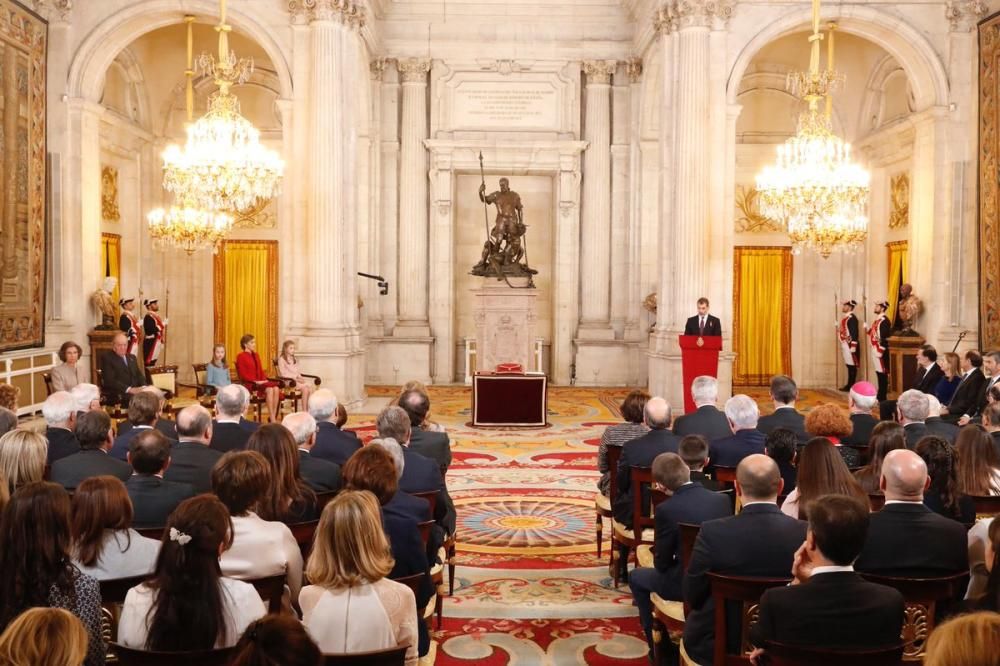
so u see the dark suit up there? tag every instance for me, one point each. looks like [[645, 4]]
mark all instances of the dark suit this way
[[334, 444], [705, 481], [62, 443], [124, 439], [729, 451], [966, 398], [421, 474], [248, 425], [117, 375], [831, 610], [863, 426], [926, 381], [981, 401], [712, 326], [938, 426], [229, 437], [153, 499], [787, 418], [410, 558], [707, 421], [165, 426], [910, 539], [321, 475], [759, 541], [433, 445], [639, 452], [407, 506], [70, 471], [914, 432], [192, 462]]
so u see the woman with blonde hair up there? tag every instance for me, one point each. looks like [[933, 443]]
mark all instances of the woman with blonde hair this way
[[288, 368], [967, 640], [288, 498], [22, 458], [44, 637], [351, 606], [946, 386]]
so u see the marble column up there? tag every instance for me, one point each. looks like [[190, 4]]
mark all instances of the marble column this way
[[413, 205], [633, 315], [388, 181]]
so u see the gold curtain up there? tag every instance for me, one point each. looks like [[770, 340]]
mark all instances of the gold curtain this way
[[111, 263], [762, 311], [899, 271], [246, 298]]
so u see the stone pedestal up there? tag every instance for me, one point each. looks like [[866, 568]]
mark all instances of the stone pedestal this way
[[902, 362], [505, 325]]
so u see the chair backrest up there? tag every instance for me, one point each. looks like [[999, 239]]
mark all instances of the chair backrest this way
[[746, 591], [922, 597], [430, 495], [726, 475], [151, 532], [642, 515], [986, 507], [389, 657], [414, 582], [163, 377], [322, 499], [689, 534], [779, 654], [133, 657], [304, 534], [47, 378], [270, 590], [113, 590], [876, 500], [614, 455], [425, 531]]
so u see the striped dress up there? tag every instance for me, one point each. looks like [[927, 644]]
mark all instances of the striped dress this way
[[615, 435]]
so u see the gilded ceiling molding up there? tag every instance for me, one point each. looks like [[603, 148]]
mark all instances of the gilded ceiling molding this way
[[599, 71], [964, 14], [348, 12], [414, 70]]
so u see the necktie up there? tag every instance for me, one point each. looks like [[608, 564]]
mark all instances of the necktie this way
[[701, 326]]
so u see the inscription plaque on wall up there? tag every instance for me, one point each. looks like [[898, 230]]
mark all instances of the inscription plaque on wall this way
[[505, 104]]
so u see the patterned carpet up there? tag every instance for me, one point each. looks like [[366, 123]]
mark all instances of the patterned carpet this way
[[529, 586]]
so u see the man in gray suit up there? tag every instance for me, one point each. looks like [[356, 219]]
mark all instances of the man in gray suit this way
[[428, 443]]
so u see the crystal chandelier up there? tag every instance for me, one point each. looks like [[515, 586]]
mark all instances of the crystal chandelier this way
[[188, 228], [814, 188], [223, 165]]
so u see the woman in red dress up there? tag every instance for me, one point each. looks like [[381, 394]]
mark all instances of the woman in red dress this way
[[251, 373]]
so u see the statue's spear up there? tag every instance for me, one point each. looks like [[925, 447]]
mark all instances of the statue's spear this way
[[486, 207]]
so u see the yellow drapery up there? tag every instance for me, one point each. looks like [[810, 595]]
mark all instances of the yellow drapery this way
[[899, 272], [762, 310], [246, 298], [111, 263]]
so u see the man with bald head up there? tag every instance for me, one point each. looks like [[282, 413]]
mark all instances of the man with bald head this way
[[120, 373], [191, 459], [906, 538], [641, 452], [759, 541]]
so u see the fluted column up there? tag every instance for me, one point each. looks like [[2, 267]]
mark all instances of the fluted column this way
[[413, 206], [595, 241]]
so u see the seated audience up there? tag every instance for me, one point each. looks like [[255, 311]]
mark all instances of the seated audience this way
[[758, 541], [164, 425], [332, 443], [860, 402], [689, 502], [8, 421], [952, 377], [44, 637], [22, 458], [341, 420], [781, 446], [693, 450], [251, 373], [143, 414], [821, 471], [400, 503], [942, 495], [121, 375], [321, 475], [833, 423], [906, 538], [641, 452], [412, 385], [937, 425], [229, 431], [36, 564], [93, 431], [616, 435], [191, 459], [59, 412], [967, 640], [104, 543], [912, 410], [991, 422], [259, 548], [288, 368], [706, 420], [965, 401], [347, 569], [188, 604], [288, 498], [829, 605], [8, 396], [984, 594], [784, 393], [887, 436], [977, 464], [217, 370], [742, 413], [433, 444], [153, 497], [88, 398], [276, 640], [69, 373]]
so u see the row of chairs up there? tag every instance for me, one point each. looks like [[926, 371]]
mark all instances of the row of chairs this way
[[220, 657]]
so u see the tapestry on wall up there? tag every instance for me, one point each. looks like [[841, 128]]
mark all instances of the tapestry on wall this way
[[989, 148], [23, 187]]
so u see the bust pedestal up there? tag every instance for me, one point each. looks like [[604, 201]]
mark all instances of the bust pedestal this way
[[902, 362], [505, 324]]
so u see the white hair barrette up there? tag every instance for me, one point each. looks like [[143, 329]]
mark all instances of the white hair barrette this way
[[179, 537]]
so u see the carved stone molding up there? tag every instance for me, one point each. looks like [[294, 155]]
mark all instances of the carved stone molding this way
[[53, 10], [348, 12], [378, 67], [681, 14], [963, 15], [989, 191], [599, 71], [504, 66], [899, 192], [414, 70], [634, 70]]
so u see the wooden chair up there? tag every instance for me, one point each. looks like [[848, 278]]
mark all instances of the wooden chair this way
[[877, 501], [602, 504], [389, 657], [259, 401], [414, 582], [642, 520], [163, 377], [922, 597], [431, 496], [449, 542], [436, 571], [987, 507], [746, 591], [132, 657], [290, 391], [271, 590], [204, 393], [322, 499], [151, 532], [666, 618], [47, 378], [779, 654], [725, 476], [304, 534], [113, 593]]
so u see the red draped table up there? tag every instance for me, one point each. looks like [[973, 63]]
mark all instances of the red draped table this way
[[505, 399], [699, 356]]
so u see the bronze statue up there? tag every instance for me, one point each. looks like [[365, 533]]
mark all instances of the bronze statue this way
[[909, 308], [504, 253], [105, 305]]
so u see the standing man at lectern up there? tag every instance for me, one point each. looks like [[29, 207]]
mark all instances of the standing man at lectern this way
[[703, 324]]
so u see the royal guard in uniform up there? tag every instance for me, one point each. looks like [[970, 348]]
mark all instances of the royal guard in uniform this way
[[847, 331], [155, 330], [878, 338], [129, 324]]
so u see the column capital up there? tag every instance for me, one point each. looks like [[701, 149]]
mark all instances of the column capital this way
[[348, 12], [53, 10], [963, 15], [414, 70], [378, 67], [599, 71], [681, 14], [633, 68]]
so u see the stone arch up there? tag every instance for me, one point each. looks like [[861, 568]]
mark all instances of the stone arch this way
[[115, 33], [923, 66], [131, 73]]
